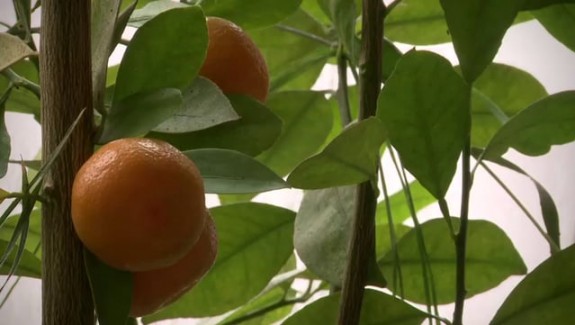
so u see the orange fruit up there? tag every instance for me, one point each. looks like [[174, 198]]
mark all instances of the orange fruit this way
[[138, 204], [157, 288], [233, 61]]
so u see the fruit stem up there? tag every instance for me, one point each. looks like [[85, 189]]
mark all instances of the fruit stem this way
[[362, 246], [66, 89]]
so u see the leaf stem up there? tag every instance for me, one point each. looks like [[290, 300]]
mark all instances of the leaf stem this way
[[20, 81], [342, 93], [305, 34]]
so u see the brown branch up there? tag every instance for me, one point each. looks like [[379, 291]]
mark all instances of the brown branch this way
[[66, 89]]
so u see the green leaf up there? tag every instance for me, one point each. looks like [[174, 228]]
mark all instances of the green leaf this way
[[150, 10], [377, 308], [477, 28], [255, 131], [534, 130], [111, 290], [34, 232], [383, 238], [390, 56], [538, 4], [307, 120], [21, 99], [137, 114], [492, 104], [313, 8], [266, 300], [323, 230], [29, 265], [559, 21], [399, 205], [491, 258], [177, 39], [204, 106], [418, 22], [343, 14], [12, 50], [255, 241], [5, 147], [427, 118], [350, 158], [298, 68], [251, 14], [544, 296], [228, 171]]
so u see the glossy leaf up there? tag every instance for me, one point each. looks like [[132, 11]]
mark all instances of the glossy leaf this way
[[350, 158], [544, 296], [29, 265], [137, 114], [534, 130], [228, 171], [21, 99], [12, 50], [559, 21], [254, 132], [307, 120], [491, 258], [204, 105], [377, 308], [399, 205], [492, 104], [427, 118], [255, 241], [178, 40], [111, 290], [418, 22], [477, 28]]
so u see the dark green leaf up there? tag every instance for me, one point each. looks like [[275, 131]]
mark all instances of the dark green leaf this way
[[151, 10], [5, 147], [228, 171], [29, 265], [418, 22], [377, 308], [534, 130], [427, 118], [255, 241], [22, 100], [12, 50], [559, 21], [307, 121], [544, 296], [111, 289], [204, 105], [537, 4], [122, 22], [137, 114], [399, 206], [251, 14], [255, 131], [492, 104], [491, 258], [477, 28], [166, 52], [350, 158], [390, 56]]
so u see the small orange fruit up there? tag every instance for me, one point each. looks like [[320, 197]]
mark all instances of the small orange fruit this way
[[138, 204], [233, 61], [157, 288]]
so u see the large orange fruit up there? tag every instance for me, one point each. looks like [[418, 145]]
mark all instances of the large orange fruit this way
[[138, 204], [233, 61], [157, 288]]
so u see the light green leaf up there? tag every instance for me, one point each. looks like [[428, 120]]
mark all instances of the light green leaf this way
[[559, 21], [350, 158], [427, 118], [204, 105], [228, 171], [544, 296], [418, 22], [377, 308], [389, 57], [399, 205], [150, 10], [255, 241], [21, 99], [29, 265], [491, 258], [34, 232], [12, 50], [343, 15], [534, 130], [177, 39]]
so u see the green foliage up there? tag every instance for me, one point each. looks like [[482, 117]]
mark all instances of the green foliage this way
[[5, 146], [559, 20]]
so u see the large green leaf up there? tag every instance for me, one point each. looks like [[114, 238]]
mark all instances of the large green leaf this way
[[111, 290], [12, 50], [477, 28], [166, 52], [426, 117], [377, 308], [204, 105], [491, 258], [228, 171], [544, 296], [299, 67], [251, 14], [254, 132], [399, 205], [418, 22], [307, 121], [148, 11], [534, 130], [492, 104], [137, 114], [559, 21], [21, 99], [350, 158], [390, 54], [255, 241]]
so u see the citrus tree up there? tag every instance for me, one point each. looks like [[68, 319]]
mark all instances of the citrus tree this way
[[226, 84]]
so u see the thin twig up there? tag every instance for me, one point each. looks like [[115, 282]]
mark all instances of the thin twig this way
[[20, 81], [305, 34]]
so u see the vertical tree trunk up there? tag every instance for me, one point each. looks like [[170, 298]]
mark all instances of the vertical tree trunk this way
[[66, 90]]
